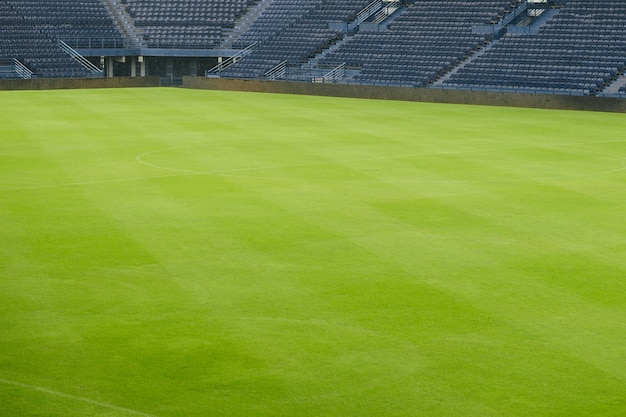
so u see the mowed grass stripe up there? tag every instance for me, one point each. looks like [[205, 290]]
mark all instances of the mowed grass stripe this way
[[180, 252]]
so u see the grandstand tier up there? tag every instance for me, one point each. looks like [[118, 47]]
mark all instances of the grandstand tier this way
[[574, 47], [31, 45], [579, 51]]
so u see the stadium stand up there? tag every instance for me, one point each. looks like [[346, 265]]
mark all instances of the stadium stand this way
[[292, 30], [421, 44], [12, 68], [185, 23], [573, 47], [578, 52], [74, 22], [30, 46]]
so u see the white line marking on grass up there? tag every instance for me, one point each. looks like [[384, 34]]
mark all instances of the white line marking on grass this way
[[232, 172], [75, 184], [75, 398], [139, 158]]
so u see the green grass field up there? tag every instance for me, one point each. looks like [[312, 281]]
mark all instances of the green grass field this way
[[170, 252]]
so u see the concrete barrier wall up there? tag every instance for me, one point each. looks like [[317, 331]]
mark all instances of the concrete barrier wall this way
[[541, 101], [74, 83]]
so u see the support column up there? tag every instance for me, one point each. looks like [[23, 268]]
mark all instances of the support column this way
[[142, 66], [109, 66], [133, 66]]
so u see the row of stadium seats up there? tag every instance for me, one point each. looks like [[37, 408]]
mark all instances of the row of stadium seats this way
[[292, 31], [580, 49], [33, 48], [68, 20], [279, 15], [190, 37], [421, 44], [185, 23]]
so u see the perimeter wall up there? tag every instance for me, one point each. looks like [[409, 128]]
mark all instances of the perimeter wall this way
[[541, 101], [74, 83]]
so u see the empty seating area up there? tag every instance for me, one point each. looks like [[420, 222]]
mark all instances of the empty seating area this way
[[421, 44], [33, 48], [69, 20], [186, 12], [279, 15], [578, 52], [184, 37], [187, 23], [292, 30], [8, 69]]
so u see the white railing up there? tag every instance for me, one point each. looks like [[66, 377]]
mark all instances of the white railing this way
[[509, 17], [22, 70], [88, 65], [221, 66], [278, 71], [333, 75], [369, 10], [12, 68], [386, 11]]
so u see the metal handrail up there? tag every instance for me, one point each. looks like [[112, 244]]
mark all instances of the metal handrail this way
[[332, 76], [95, 43], [277, 72], [335, 74], [221, 66], [369, 10], [22, 70], [88, 65], [386, 11]]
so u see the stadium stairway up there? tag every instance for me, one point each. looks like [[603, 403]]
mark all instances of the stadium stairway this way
[[528, 24], [615, 88], [315, 60], [577, 51], [462, 64], [124, 23], [314, 69], [292, 32], [244, 24]]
